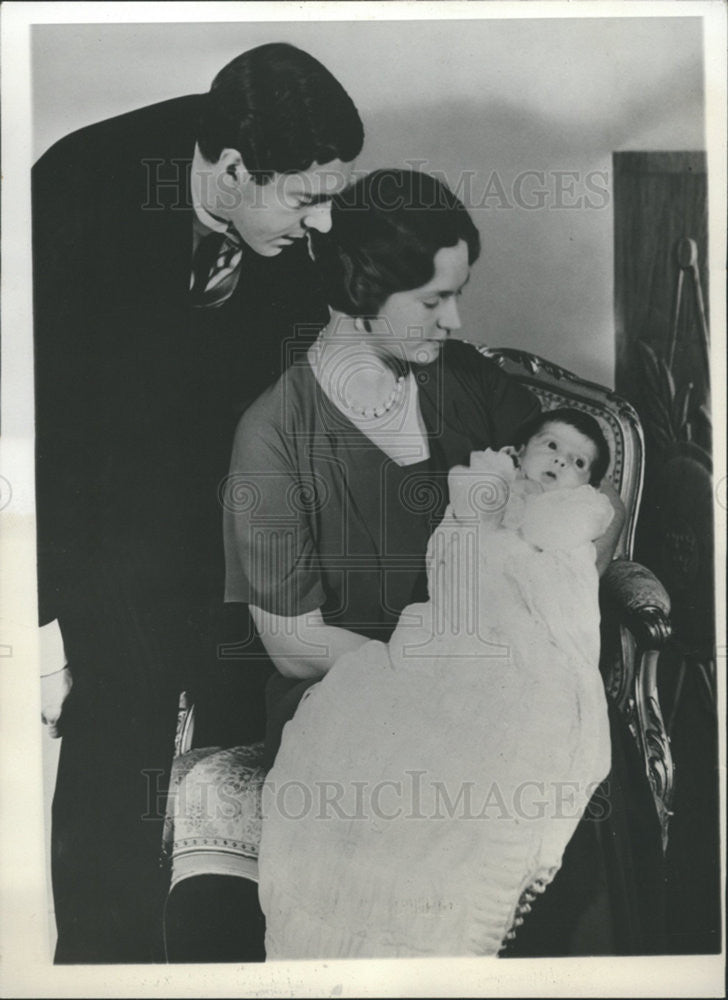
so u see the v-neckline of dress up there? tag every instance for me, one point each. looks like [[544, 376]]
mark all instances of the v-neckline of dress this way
[[363, 437]]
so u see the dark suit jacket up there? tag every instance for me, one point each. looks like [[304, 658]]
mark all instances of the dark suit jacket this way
[[138, 395]]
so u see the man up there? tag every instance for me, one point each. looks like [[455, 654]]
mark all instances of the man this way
[[170, 276]]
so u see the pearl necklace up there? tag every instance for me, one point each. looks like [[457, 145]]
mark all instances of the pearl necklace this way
[[376, 411]]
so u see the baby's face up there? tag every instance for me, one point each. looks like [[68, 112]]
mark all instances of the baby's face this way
[[558, 457]]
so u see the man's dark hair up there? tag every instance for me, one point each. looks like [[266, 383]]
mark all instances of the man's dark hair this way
[[281, 110], [580, 421], [385, 232]]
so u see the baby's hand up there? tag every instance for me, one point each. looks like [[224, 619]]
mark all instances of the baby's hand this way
[[494, 463], [513, 453]]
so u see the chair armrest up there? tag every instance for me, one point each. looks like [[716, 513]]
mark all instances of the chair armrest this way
[[642, 603]]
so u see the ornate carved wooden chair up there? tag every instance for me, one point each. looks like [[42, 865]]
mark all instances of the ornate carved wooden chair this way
[[214, 830], [635, 605]]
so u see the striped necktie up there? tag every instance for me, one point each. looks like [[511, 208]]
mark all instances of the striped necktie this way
[[215, 269]]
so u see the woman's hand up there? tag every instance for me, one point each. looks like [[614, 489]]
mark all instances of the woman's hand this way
[[303, 647], [607, 543], [54, 689]]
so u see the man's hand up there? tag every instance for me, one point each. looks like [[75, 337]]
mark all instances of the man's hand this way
[[54, 689]]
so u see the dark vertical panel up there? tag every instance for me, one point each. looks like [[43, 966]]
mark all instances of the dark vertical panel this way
[[659, 199]]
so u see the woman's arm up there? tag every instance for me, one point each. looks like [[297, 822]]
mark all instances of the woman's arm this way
[[304, 646], [607, 543], [271, 555]]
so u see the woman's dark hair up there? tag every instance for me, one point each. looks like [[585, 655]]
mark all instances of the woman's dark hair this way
[[580, 421], [281, 110], [385, 232]]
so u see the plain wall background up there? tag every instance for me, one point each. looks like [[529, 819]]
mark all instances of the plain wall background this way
[[481, 102]]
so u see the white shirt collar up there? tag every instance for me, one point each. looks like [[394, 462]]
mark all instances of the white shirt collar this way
[[196, 172]]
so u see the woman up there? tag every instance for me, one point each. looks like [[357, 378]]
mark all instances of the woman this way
[[339, 472], [436, 763]]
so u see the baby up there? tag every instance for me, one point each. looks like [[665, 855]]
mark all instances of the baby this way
[[447, 769], [562, 449], [541, 493]]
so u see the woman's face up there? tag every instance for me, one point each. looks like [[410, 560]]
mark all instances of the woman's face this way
[[413, 325]]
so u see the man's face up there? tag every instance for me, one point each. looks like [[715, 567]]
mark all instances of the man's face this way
[[269, 217]]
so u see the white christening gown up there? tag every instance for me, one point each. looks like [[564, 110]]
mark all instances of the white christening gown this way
[[426, 783]]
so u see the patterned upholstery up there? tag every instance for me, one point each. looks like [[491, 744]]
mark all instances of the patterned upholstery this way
[[213, 821]]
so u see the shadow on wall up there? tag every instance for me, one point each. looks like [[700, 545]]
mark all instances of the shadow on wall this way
[[540, 193]]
